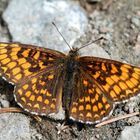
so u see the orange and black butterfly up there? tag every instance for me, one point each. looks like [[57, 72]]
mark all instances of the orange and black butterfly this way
[[48, 82]]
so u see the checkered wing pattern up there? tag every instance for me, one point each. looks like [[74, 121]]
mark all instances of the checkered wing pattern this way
[[88, 104], [102, 83], [35, 73]]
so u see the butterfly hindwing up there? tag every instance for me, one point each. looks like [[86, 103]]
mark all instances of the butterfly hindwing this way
[[42, 94], [88, 104]]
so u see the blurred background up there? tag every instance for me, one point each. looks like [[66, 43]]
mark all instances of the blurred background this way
[[80, 21]]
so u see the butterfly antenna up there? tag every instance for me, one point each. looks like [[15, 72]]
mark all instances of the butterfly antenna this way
[[61, 35], [91, 43]]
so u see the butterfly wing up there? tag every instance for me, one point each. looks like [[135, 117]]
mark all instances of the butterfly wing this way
[[118, 81], [35, 72], [88, 104], [100, 82], [18, 61], [41, 95]]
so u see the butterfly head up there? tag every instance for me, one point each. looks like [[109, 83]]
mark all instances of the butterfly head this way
[[74, 52]]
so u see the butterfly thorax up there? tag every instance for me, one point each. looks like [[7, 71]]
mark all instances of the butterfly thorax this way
[[71, 61]]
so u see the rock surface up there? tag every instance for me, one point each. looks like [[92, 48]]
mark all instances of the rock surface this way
[[131, 133], [32, 22], [16, 127]]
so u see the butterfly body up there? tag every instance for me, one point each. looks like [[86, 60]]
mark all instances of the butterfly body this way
[[70, 72], [48, 81]]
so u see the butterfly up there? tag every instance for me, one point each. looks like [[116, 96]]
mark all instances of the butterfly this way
[[48, 82]]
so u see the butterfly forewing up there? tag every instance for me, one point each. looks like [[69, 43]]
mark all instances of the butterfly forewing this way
[[36, 74], [19, 61], [118, 81]]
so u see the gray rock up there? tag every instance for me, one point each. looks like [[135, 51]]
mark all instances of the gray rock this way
[[137, 46], [3, 34], [3, 101], [3, 4], [30, 22], [94, 50], [131, 133], [15, 127], [136, 21]]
